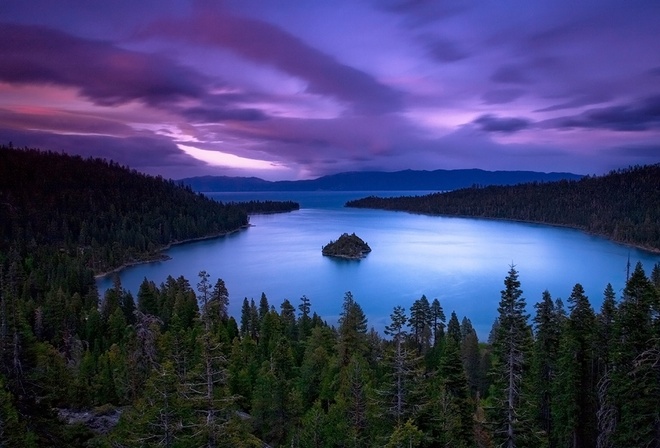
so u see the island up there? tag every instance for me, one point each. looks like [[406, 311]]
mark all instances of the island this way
[[347, 246]]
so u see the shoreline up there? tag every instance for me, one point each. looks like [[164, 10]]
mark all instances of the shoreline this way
[[652, 250], [160, 256]]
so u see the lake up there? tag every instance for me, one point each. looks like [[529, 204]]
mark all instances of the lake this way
[[460, 261]]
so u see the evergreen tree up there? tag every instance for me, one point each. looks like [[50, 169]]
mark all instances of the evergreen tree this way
[[404, 372], [352, 330], [437, 321], [470, 355], [420, 323], [547, 326], [148, 298], [605, 327], [574, 404], [263, 306], [635, 387], [454, 329], [511, 349]]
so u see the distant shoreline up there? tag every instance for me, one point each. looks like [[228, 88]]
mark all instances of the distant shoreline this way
[[653, 250], [160, 256]]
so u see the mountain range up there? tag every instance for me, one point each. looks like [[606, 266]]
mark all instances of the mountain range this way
[[378, 181]]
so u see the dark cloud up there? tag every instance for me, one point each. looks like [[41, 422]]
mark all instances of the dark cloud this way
[[147, 153], [510, 74], [421, 12], [62, 122], [214, 115], [579, 101], [268, 44], [639, 115], [507, 125], [655, 71], [445, 50], [502, 96], [102, 72]]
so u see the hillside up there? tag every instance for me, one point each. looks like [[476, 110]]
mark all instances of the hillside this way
[[104, 213], [622, 205], [378, 181]]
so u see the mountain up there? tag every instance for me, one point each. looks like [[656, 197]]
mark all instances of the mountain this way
[[378, 181]]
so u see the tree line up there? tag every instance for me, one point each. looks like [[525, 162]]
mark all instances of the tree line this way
[[102, 213], [183, 372], [622, 205]]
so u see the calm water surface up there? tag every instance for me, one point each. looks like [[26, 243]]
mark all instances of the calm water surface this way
[[460, 261]]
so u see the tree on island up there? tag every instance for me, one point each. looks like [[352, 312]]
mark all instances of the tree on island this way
[[347, 246]]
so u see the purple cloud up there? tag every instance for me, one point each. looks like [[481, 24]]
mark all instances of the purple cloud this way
[[445, 50], [640, 115], [101, 71], [510, 74], [267, 44], [507, 125], [502, 96]]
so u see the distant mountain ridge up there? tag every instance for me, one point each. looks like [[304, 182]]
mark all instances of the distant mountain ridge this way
[[378, 181]]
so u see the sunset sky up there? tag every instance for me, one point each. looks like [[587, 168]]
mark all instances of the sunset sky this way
[[297, 89]]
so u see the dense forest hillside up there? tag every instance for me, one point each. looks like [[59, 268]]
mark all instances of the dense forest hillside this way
[[103, 213], [378, 181], [623, 205]]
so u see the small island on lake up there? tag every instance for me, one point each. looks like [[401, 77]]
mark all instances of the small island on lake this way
[[347, 246]]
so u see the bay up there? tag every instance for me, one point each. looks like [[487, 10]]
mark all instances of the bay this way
[[460, 261]]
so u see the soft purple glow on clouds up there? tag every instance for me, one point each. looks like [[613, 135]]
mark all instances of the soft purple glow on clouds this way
[[288, 90]]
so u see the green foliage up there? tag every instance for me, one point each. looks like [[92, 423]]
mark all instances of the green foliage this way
[[622, 205], [103, 213], [347, 246]]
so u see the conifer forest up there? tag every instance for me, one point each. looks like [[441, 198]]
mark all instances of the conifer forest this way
[[170, 367]]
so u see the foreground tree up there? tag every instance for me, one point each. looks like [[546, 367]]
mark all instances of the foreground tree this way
[[511, 349]]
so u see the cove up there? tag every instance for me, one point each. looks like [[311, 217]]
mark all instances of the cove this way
[[460, 261]]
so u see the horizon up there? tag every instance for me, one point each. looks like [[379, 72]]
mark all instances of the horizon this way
[[289, 91]]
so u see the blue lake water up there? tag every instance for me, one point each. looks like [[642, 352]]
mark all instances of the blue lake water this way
[[460, 261]]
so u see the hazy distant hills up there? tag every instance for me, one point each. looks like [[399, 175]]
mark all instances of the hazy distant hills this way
[[378, 181]]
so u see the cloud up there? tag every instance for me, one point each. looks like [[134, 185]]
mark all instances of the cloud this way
[[146, 152], [510, 74], [213, 115], [508, 125], [445, 50], [579, 101], [61, 122], [640, 115], [269, 45], [102, 72], [502, 96]]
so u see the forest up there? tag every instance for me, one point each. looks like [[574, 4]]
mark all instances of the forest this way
[[621, 206], [170, 367]]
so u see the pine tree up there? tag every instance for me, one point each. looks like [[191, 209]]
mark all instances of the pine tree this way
[[574, 404], [511, 349], [470, 355], [352, 330], [635, 387], [547, 326], [404, 372], [420, 323], [605, 322], [437, 321]]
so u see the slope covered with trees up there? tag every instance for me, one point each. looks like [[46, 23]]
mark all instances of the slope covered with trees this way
[[102, 213], [622, 205]]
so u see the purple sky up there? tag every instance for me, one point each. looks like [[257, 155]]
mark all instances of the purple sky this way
[[298, 89]]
